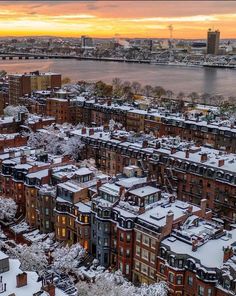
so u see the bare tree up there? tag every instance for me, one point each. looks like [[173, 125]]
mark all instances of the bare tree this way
[[147, 90], [136, 87]]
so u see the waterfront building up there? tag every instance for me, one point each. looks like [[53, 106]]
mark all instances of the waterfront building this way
[[86, 42], [25, 84], [213, 40]]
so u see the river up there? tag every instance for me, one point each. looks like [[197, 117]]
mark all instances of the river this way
[[175, 78]]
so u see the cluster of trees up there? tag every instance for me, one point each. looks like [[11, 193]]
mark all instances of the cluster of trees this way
[[127, 90], [114, 284], [15, 110], [32, 258], [55, 142], [8, 209], [66, 259]]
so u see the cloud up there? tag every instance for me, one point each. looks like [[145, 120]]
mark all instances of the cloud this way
[[74, 16], [194, 18]]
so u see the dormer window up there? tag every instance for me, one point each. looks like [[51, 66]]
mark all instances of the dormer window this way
[[172, 261]]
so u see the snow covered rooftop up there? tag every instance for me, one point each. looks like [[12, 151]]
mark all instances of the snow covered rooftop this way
[[157, 214], [111, 189], [144, 191], [71, 186], [32, 286], [210, 254], [129, 182]]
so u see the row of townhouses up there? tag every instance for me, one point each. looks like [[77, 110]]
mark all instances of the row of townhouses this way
[[128, 221]]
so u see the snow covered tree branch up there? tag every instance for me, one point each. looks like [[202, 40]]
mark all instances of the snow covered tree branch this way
[[66, 259], [114, 284], [8, 208]]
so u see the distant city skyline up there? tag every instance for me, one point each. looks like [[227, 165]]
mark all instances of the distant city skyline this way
[[150, 19]]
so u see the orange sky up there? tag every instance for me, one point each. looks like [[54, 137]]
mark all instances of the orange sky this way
[[190, 19]]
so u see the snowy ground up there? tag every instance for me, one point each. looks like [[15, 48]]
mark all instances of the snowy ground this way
[[20, 228], [32, 286], [34, 236]]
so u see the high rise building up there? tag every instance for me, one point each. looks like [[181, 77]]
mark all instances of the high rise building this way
[[86, 42], [22, 84], [213, 40]]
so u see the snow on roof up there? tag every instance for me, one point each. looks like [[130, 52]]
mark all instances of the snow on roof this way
[[144, 191], [85, 208], [157, 214], [210, 254], [83, 171], [32, 286], [71, 186], [39, 174], [129, 182], [110, 188], [3, 256]]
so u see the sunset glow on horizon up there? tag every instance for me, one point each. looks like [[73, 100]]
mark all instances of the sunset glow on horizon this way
[[118, 18]]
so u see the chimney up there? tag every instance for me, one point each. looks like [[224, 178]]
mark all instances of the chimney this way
[[83, 131], [23, 159], [21, 280], [187, 153], [171, 198], [203, 157], [228, 253], [169, 222], [203, 207], [172, 150], [145, 144], [141, 209], [50, 289], [190, 209], [221, 162], [122, 192], [194, 245], [91, 132], [99, 184]]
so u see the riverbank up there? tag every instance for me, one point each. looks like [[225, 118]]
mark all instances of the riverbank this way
[[176, 78]]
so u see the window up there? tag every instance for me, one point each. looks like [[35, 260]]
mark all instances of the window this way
[[47, 224], [200, 291], [121, 236], [145, 240], [152, 273], [63, 220], [127, 269], [153, 244], [190, 281], [127, 252], [121, 251], [128, 238], [145, 254], [47, 211], [144, 268], [85, 219], [179, 279], [105, 242], [99, 240], [171, 277], [138, 237], [209, 292], [152, 258], [121, 266], [63, 232], [172, 261], [181, 263], [136, 265], [162, 268], [138, 251]]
